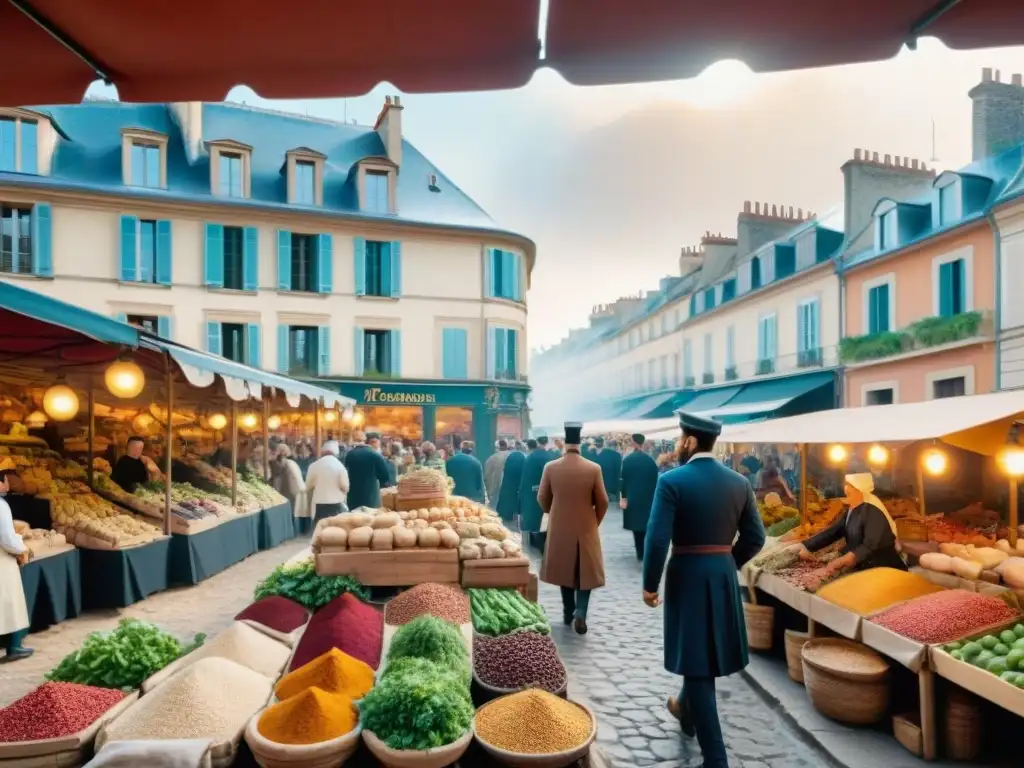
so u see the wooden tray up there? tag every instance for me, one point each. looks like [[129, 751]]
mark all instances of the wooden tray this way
[[392, 568], [498, 572]]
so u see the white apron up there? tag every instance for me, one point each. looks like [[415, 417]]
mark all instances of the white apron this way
[[13, 612]]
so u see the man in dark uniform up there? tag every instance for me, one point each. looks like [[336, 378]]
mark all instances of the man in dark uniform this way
[[699, 508], [639, 478], [367, 472], [507, 504], [529, 510], [588, 451], [610, 461], [542, 441], [467, 472], [130, 471]]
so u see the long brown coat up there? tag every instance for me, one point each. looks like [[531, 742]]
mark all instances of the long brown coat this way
[[572, 494]]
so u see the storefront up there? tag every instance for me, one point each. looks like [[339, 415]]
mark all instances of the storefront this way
[[436, 411]]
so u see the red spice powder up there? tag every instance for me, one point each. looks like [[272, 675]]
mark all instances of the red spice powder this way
[[345, 623], [277, 613], [53, 710]]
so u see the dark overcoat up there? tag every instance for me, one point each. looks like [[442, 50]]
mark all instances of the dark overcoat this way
[[507, 505], [529, 509], [367, 472], [572, 494], [639, 478], [468, 474], [702, 503], [610, 461]]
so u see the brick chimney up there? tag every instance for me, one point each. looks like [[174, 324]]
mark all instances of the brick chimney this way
[[389, 128], [760, 223], [869, 177], [997, 114], [690, 260], [717, 247]]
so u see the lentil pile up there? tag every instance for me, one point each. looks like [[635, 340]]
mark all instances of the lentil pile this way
[[54, 710], [945, 616], [310, 717], [345, 623], [246, 646], [515, 661], [211, 699], [867, 592], [277, 613], [445, 602], [533, 722], [333, 672]]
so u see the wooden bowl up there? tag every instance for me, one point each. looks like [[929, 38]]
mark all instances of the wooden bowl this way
[[550, 760], [438, 757], [326, 754]]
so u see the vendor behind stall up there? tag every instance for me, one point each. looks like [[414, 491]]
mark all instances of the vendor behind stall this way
[[130, 470], [14, 619], [869, 531]]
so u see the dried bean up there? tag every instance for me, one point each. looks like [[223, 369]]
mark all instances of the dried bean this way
[[945, 616], [55, 709], [518, 660], [448, 603]]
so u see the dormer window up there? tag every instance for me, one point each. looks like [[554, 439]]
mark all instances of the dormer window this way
[[377, 192], [376, 180], [949, 205], [887, 229], [304, 169], [19, 144], [767, 260], [144, 158], [229, 168]]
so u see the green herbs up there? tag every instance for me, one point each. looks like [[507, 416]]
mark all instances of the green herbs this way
[[433, 639], [500, 611], [122, 658], [783, 526], [301, 583], [417, 705]]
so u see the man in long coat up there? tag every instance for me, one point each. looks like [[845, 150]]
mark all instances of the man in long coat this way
[[699, 508], [572, 495], [533, 469], [467, 472], [639, 478], [507, 505], [610, 461], [367, 472], [494, 467]]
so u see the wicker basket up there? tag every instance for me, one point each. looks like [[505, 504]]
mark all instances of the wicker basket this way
[[907, 731], [438, 757], [911, 529], [963, 726], [858, 696], [326, 754], [551, 760], [794, 649], [760, 621]]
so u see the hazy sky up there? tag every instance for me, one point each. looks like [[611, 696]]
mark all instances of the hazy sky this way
[[610, 182]]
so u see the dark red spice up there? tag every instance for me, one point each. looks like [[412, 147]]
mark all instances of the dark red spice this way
[[277, 613], [55, 709], [345, 623]]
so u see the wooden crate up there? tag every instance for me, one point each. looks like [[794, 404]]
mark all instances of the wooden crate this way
[[392, 568], [499, 572]]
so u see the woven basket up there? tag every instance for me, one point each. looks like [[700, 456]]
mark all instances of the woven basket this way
[[794, 649], [404, 504], [857, 697], [326, 754], [963, 726], [907, 731], [760, 621], [911, 529], [551, 760], [438, 757]]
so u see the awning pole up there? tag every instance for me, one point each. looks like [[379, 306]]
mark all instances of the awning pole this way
[[316, 428], [91, 432], [266, 439], [234, 455], [1014, 521], [803, 482], [920, 485], [167, 447]]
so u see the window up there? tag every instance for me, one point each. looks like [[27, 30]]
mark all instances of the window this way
[[888, 230], [377, 353], [149, 323], [879, 397], [807, 250], [234, 258], [231, 175], [729, 290], [952, 287], [378, 268], [145, 251], [504, 275], [767, 339], [767, 266], [949, 203], [15, 240], [378, 194], [503, 360], [878, 309], [305, 182], [709, 359], [652, 373], [304, 263], [664, 371], [235, 341], [952, 387], [730, 353], [688, 377], [808, 329], [709, 298], [664, 323], [145, 165], [675, 369], [303, 350], [454, 353], [19, 145]]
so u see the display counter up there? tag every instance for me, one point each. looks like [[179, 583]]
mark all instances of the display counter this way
[[53, 589], [277, 525], [117, 578], [196, 557]]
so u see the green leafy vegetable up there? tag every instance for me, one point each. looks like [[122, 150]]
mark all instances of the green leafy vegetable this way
[[300, 582], [122, 658], [500, 611], [417, 705], [434, 639], [783, 526]]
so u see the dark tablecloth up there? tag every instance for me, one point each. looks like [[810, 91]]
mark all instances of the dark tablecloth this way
[[117, 578], [53, 590], [198, 556], [276, 526]]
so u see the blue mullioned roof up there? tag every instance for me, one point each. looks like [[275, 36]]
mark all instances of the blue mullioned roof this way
[[90, 158]]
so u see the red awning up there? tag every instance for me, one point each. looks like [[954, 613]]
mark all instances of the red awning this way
[[192, 50]]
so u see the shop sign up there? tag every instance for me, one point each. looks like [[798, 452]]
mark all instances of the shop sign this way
[[373, 395]]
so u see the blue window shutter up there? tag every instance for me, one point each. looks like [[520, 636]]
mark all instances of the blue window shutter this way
[[883, 308], [121, 317], [801, 327], [447, 350], [214, 257], [520, 282], [816, 325], [164, 254], [396, 268], [357, 351], [490, 279], [129, 248], [251, 259], [323, 360], [461, 353], [492, 351], [163, 327], [284, 260], [253, 347], [359, 263], [507, 274], [213, 339], [395, 339], [325, 263], [512, 353], [29, 147], [283, 352], [42, 240]]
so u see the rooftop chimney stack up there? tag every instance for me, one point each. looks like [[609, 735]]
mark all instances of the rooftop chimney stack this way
[[868, 179], [997, 119], [389, 128], [690, 260]]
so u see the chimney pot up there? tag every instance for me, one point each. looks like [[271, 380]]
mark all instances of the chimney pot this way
[[1017, 79], [746, 206], [856, 154], [774, 214], [986, 74], [888, 159], [799, 213], [398, 101], [874, 157], [998, 76], [914, 164]]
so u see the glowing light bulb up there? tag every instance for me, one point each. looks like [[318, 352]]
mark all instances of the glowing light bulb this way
[[218, 421], [1012, 460], [60, 402], [935, 462], [878, 455], [274, 422], [248, 421], [124, 379], [837, 454], [330, 417]]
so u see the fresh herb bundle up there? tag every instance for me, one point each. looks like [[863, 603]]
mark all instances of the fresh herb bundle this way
[[433, 639], [301, 583]]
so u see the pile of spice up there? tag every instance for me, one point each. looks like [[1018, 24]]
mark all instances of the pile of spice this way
[[445, 602], [54, 710], [309, 717], [246, 646], [519, 660], [533, 722], [333, 672], [867, 592], [211, 699], [277, 613], [945, 616], [345, 623]]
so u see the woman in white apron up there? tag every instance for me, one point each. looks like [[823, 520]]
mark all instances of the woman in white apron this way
[[13, 553]]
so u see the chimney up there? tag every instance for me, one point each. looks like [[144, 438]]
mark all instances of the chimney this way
[[997, 114], [760, 223], [189, 117], [690, 260], [389, 128], [716, 247], [867, 179]]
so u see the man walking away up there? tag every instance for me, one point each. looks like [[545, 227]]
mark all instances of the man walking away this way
[[573, 497], [529, 509], [588, 452], [542, 441], [367, 469], [494, 468], [468, 473], [327, 483], [699, 508], [507, 505], [639, 478], [610, 461]]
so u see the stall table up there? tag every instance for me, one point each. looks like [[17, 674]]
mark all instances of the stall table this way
[[52, 586], [277, 525], [198, 556], [117, 578]]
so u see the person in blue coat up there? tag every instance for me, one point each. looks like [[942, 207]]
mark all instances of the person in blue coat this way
[[467, 472], [367, 471], [610, 461], [639, 478], [542, 441], [699, 508], [530, 512], [507, 505]]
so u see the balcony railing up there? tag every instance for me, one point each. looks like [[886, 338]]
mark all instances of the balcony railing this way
[[809, 358], [925, 333], [707, 378], [731, 374], [689, 381], [765, 366]]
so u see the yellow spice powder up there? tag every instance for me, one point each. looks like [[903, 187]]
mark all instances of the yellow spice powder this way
[[533, 722], [867, 592]]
